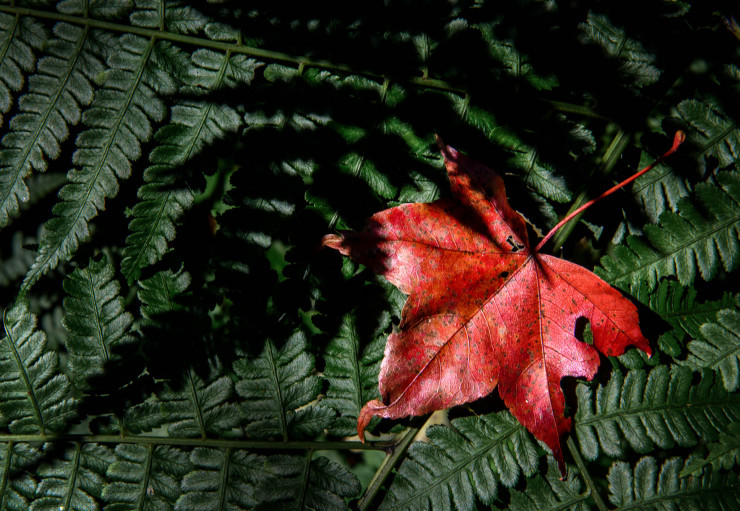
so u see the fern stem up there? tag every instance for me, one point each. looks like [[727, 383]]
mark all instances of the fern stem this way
[[585, 475], [199, 442], [387, 466]]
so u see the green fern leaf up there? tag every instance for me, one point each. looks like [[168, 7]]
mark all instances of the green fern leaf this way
[[95, 320], [17, 487], [305, 483], [663, 408], [352, 373], [551, 492], [658, 190], [647, 488], [463, 462], [222, 479], [61, 85], [198, 408], [539, 175], [723, 454], [715, 134], [34, 395], [177, 18], [145, 477], [158, 294], [513, 61], [279, 389], [704, 234], [635, 63], [719, 348], [19, 38], [119, 120], [99, 10], [193, 125], [74, 480], [679, 307]]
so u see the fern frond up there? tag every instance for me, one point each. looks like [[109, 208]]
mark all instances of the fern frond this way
[[462, 462], [119, 121], [158, 293], [635, 63], [703, 233], [663, 408], [35, 396], [278, 388], [716, 135], [199, 408], [56, 93], [306, 483], [145, 477], [658, 190], [17, 487], [74, 480], [170, 16], [19, 38], [678, 305], [539, 175], [551, 492], [193, 125], [649, 487], [719, 348], [723, 454], [95, 320], [352, 373], [222, 479]]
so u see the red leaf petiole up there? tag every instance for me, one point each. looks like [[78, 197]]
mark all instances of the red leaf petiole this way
[[678, 139]]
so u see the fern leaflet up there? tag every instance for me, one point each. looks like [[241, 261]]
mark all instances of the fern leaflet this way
[[703, 234], [551, 492], [18, 487], [19, 38], [658, 190], [724, 454], [34, 395], [663, 408], [73, 481], [95, 320], [719, 348], [61, 85], [716, 135], [278, 389], [647, 488], [461, 463]]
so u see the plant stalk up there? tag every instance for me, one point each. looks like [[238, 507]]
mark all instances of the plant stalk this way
[[600, 504], [677, 141]]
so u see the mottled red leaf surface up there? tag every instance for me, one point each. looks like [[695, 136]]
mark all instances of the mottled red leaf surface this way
[[484, 310]]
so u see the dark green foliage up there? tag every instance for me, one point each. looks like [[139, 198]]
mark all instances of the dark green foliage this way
[[174, 336]]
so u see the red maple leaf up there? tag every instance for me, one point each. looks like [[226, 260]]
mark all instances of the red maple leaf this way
[[484, 309]]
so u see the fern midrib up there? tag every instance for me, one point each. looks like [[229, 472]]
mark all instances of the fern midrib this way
[[196, 404], [278, 391], [30, 390], [72, 479], [141, 500], [636, 269], [595, 419], [224, 479], [459, 467], [98, 321], [6, 472], [723, 355], [11, 37], [18, 171], [718, 137]]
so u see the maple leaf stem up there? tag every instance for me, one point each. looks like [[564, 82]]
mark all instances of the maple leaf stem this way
[[678, 139]]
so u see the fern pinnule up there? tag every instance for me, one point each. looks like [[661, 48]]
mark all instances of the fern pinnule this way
[[278, 390], [551, 492], [75, 479], [35, 396], [718, 347], [95, 320], [717, 135]]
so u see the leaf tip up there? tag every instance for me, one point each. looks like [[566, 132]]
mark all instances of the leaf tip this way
[[334, 241]]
